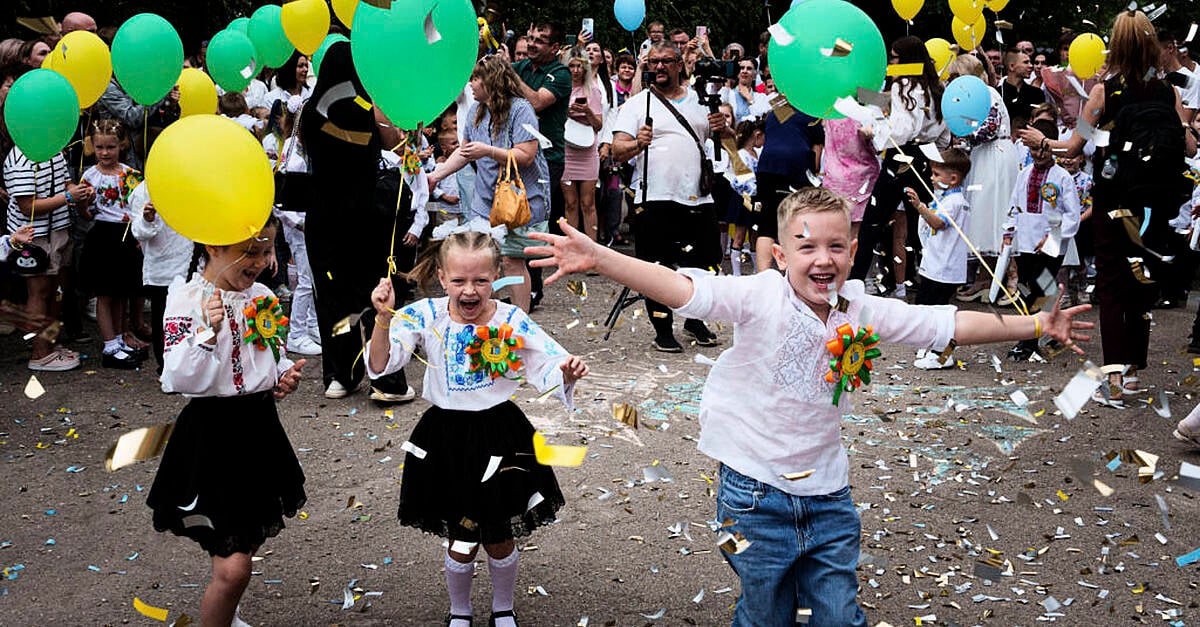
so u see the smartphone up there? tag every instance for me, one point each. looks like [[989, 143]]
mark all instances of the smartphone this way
[[701, 31], [589, 27], [582, 101]]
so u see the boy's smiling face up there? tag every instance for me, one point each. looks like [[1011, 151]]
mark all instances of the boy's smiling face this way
[[815, 251]]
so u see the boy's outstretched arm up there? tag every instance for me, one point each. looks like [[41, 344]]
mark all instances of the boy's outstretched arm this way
[[576, 252], [977, 327]]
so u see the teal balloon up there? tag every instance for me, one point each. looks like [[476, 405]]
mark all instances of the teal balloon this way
[[630, 13], [266, 33], [416, 57], [319, 55], [147, 57], [41, 111], [241, 25], [806, 72], [231, 60]]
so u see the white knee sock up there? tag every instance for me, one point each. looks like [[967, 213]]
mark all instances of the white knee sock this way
[[735, 261], [504, 580], [458, 584]]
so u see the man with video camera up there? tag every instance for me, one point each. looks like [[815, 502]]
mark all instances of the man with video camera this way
[[668, 127]]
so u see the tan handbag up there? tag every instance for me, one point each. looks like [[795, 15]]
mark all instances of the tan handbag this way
[[510, 206]]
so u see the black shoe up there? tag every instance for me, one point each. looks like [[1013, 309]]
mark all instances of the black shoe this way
[[120, 360], [535, 299], [140, 354], [502, 614], [701, 333], [452, 617], [1020, 352], [667, 344]]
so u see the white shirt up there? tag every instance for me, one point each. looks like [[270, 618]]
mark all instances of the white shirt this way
[[270, 98], [166, 254], [247, 121], [1030, 224], [766, 409], [944, 254], [449, 382], [419, 184], [906, 125], [6, 248], [674, 157], [230, 367], [1189, 95]]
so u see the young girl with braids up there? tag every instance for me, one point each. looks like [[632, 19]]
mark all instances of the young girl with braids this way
[[112, 261], [228, 475], [470, 474]]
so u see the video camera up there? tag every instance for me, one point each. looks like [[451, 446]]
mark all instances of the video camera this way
[[713, 71]]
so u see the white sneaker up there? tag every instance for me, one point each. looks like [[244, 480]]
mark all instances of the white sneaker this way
[[336, 390], [55, 362], [302, 345], [392, 397], [930, 362]]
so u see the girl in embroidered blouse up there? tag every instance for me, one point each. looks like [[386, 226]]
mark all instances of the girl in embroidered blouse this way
[[470, 474], [228, 475]]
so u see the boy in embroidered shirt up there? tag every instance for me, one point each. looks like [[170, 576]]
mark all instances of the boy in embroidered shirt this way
[[1045, 212], [766, 410], [944, 251]]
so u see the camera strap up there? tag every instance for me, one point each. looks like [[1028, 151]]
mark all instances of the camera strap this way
[[682, 121]]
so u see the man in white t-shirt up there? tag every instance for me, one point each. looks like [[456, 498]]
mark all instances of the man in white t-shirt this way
[[1184, 80], [675, 224]]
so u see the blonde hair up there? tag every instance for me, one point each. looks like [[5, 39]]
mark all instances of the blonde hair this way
[[809, 200], [502, 85], [967, 65], [1132, 48], [579, 55], [435, 255]]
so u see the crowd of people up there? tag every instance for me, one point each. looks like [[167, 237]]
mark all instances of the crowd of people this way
[[694, 157]]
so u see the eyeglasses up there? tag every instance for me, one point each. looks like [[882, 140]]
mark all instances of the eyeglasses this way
[[654, 62]]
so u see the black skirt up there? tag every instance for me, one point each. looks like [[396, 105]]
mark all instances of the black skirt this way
[[111, 262], [449, 492], [228, 475]]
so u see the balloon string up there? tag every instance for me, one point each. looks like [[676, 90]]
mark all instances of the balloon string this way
[[87, 127], [145, 134], [33, 209], [391, 259], [1015, 299]]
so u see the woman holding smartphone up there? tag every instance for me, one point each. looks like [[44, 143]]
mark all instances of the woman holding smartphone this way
[[582, 160]]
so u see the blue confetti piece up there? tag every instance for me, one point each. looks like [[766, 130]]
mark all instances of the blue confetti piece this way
[[353, 411], [124, 498], [138, 488], [51, 512], [504, 282], [133, 557], [6, 544], [76, 468], [387, 560], [94, 569], [1114, 464], [51, 542], [272, 581], [1190, 558]]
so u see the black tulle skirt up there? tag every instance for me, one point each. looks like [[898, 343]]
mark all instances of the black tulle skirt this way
[[450, 492], [228, 475]]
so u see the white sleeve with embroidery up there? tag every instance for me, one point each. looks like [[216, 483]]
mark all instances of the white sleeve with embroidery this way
[[190, 366], [403, 336], [542, 357]]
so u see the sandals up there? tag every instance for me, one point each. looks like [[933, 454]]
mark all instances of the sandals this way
[[502, 614], [1127, 382], [450, 618], [1114, 398]]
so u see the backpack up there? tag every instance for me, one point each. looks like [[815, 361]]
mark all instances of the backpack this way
[[1144, 162]]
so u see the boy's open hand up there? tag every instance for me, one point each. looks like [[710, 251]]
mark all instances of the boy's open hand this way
[[573, 369], [571, 252], [1061, 324], [290, 380]]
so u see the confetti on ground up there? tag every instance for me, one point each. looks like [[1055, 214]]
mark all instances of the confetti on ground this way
[[156, 613]]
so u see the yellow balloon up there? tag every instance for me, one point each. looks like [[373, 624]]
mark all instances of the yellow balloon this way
[[1086, 55], [907, 9], [211, 180], [939, 50], [84, 60], [306, 23], [995, 5], [197, 94], [344, 10], [969, 11], [968, 36]]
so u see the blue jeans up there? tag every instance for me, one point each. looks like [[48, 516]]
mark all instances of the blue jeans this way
[[803, 553]]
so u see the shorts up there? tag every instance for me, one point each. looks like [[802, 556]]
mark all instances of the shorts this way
[[58, 248], [515, 242]]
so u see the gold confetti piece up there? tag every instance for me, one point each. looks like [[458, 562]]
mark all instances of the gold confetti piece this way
[[905, 69], [626, 413], [183, 621], [50, 333], [157, 613], [578, 288], [796, 476], [841, 48], [732, 543], [138, 445], [556, 455], [572, 324], [1102, 488], [660, 314], [1003, 24], [303, 515], [34, 389], [360, 101], [353, 503], [1063, 495]]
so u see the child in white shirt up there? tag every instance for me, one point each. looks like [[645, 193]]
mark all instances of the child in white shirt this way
[[943, 250], [766, 413]]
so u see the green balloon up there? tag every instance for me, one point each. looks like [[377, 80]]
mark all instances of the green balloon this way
[[266, 32], [411, 79], [319, 55], [41, 111], [241, 25], [813, 80], [231, 60], [147, 57]]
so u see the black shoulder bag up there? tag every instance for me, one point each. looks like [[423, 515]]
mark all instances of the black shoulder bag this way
[[706, 166]]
